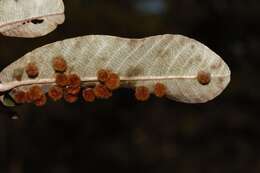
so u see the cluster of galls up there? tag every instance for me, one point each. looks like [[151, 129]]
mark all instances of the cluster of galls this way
[[142, 93], [33, 95], [68, 86]]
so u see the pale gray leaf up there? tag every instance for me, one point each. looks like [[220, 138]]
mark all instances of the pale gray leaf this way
[[173, 60], [30, 18]]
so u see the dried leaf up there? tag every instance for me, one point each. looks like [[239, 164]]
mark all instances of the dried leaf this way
[[172, 60], [30, 18]]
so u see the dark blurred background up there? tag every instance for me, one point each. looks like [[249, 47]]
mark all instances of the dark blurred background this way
[[158, 136]]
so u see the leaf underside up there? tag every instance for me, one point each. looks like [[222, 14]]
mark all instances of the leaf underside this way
[[30, 18], [173, 60]]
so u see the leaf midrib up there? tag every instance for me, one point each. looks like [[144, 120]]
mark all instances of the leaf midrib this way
[[11, 85]]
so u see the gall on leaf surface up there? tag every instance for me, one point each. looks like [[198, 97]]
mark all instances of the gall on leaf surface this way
[[172, 60]]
